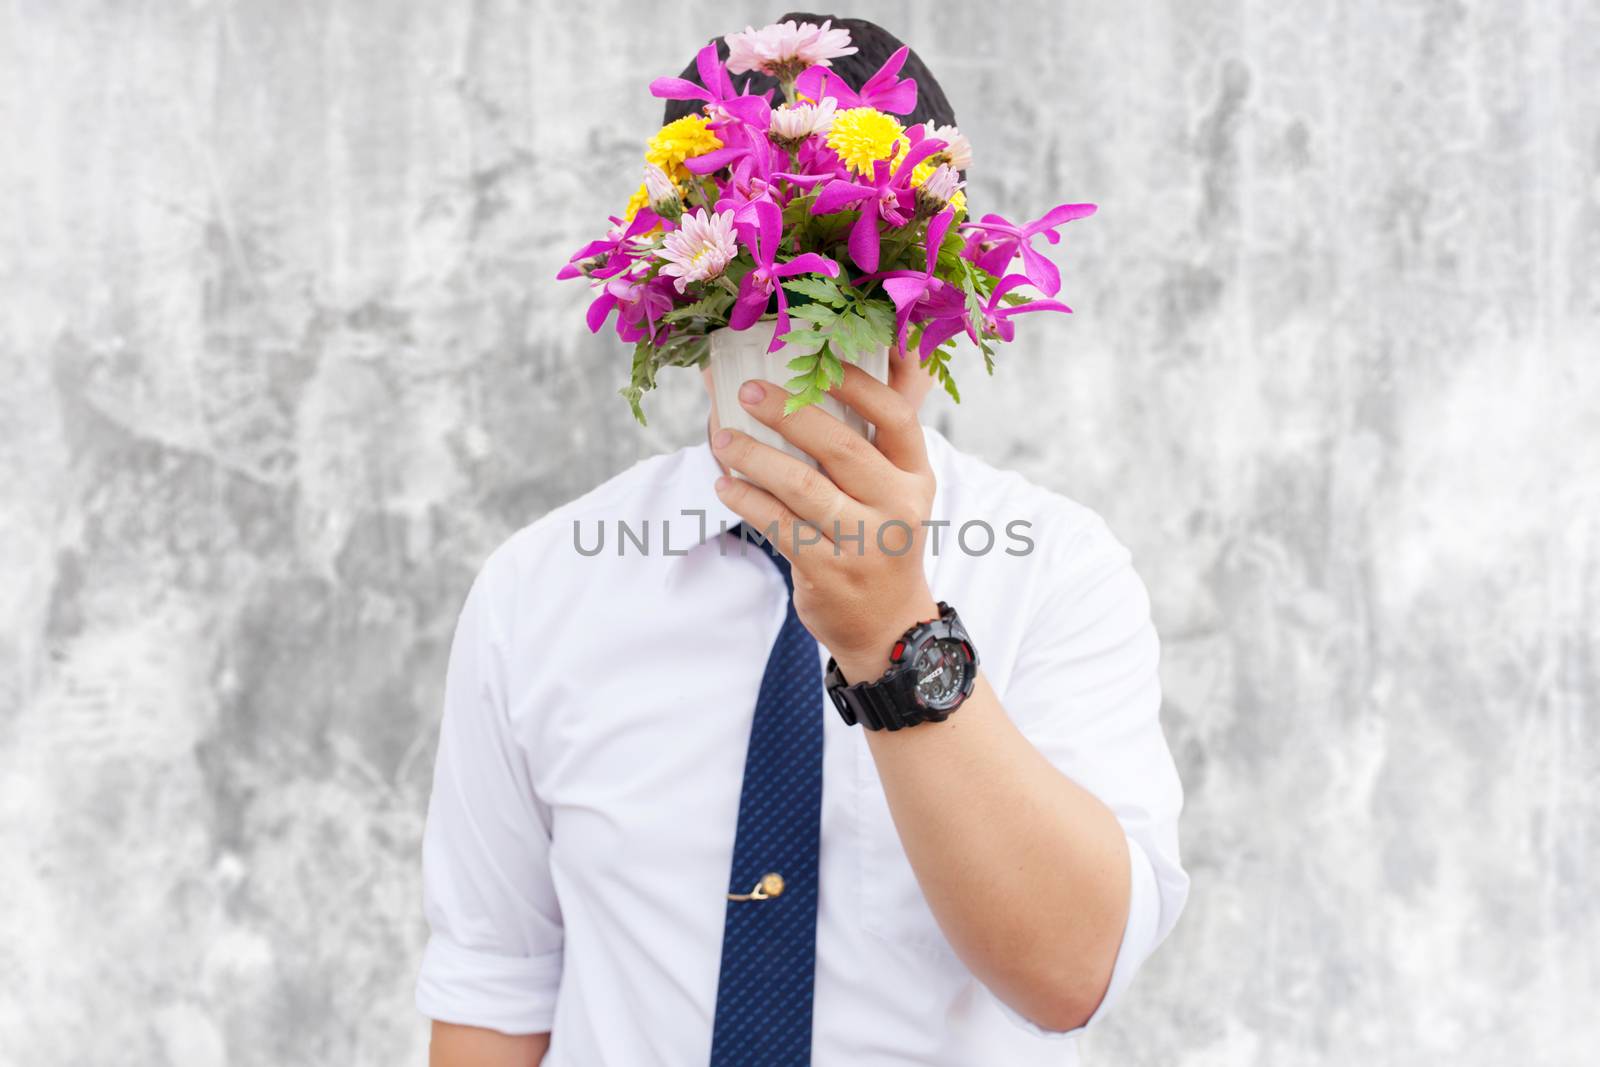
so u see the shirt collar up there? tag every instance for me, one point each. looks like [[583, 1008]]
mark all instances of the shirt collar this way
[[698, 493]]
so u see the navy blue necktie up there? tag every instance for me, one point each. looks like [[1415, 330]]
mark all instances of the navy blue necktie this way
[[769, 940]]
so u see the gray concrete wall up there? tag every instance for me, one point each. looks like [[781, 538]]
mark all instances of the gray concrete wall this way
[[283, 360]]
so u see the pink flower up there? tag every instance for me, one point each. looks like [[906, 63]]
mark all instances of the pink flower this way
[[700, 248], [793, 123], [784, 49], [957, 148], [657, 185], [941, 185], [665, 199]]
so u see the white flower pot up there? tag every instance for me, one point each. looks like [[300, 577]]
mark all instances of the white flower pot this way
[[736, 356]]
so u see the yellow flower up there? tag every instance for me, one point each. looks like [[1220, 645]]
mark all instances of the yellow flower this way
[[636, 203], [678, 141], [864, 135]]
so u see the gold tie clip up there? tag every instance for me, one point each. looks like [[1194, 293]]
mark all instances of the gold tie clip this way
[[771, 885]]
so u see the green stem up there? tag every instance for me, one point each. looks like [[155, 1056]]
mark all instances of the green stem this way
[[904, 238], [699, 191]]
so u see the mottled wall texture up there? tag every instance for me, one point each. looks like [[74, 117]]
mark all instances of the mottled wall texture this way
[[283, 360]]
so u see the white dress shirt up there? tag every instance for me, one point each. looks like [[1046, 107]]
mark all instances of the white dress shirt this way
[[591, 756]]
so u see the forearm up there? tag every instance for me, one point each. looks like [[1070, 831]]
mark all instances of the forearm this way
[[1026, 871], [471, 1046]]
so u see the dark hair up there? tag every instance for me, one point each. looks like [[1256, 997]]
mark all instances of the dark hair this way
[[874, 45]]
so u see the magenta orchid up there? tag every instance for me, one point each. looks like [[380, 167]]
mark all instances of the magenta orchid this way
[[994, 242], [746, 160], [600, 259], [887, 197], [997, 316], [757, 287], [741, 195], [826, 218], [716, 87], [884, 91], [921, 296], [640, 303]]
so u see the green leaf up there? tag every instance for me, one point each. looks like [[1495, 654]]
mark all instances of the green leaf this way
[[798, 209], [833, 370], [709, 307], [817, 373], [821, 314], [950, 385], [807, 338], [817, 287], [641, 379], [685, 350], [880, 317], [939, 367], [797, 401], [632, 396], [851, 337], [830, 229]]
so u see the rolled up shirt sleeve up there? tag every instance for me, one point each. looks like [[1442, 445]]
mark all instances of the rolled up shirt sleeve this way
[[1085, 690], [493, 957]]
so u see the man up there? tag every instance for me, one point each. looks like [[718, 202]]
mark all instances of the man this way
[[654, 840]]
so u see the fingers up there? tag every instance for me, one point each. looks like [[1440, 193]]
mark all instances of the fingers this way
[[850, 459], [803, 490], [763, 512], [899, 432]]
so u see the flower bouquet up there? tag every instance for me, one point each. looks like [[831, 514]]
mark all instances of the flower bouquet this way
[[821, 222]]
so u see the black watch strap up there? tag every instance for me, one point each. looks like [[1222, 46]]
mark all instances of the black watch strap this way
[[878, 704]]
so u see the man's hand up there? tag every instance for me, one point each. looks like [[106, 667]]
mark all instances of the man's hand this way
[[853, 535], [1027, 873]]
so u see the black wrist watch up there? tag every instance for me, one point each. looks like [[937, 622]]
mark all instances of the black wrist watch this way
[[932, 669]]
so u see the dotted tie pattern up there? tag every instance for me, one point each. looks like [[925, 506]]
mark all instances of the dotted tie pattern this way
[[769, 947]]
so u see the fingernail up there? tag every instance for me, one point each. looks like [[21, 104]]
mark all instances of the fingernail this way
[[723, 484], [721, 439], [751, 392]]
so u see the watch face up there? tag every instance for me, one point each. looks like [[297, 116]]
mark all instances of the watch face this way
[[941, 673]]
